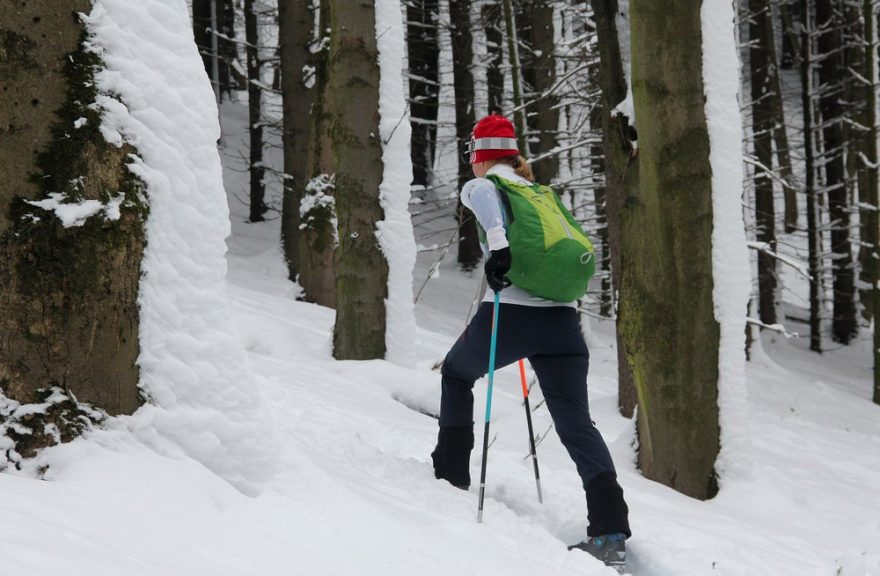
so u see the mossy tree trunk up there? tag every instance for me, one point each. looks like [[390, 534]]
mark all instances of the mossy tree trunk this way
[[361, 268], [68, 294], [666, 306], [469, 252], [621, 173]]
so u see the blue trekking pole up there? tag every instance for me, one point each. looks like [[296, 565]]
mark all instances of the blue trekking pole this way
[[492, 347]]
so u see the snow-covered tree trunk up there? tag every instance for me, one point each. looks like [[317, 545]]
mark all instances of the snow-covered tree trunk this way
[[683, 297], [361, 268], [71, 224]]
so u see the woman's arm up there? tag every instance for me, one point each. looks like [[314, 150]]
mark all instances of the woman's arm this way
[[481, 196]]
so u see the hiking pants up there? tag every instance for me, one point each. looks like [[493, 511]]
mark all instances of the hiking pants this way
[[551, 339]]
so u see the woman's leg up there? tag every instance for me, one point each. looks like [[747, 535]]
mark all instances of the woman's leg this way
[[563, 380], [466, 362]]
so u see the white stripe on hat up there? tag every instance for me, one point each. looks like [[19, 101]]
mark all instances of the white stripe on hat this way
[[495, 143]]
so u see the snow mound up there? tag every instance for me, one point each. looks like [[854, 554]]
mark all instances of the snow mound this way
[[194, 367]]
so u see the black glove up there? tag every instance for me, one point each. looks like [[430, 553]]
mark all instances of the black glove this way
[[496, 267]]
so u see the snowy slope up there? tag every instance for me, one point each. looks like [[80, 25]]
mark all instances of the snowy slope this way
[[351, 489]]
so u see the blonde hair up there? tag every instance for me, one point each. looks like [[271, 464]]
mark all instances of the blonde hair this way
[[520, 165]]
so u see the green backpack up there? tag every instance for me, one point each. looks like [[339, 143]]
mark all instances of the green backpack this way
[[552, 257]]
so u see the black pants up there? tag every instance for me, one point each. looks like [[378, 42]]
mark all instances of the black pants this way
[[551, 339]]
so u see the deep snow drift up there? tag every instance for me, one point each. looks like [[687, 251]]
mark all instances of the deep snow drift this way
[[263, 455]]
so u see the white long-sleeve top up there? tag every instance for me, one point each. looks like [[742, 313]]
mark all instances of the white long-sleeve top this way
[[482, 198]]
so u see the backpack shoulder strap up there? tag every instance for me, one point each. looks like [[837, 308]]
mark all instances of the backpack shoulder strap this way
[[502, 186]]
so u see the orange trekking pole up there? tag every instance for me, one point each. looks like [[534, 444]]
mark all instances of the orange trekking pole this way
[[525, 389]]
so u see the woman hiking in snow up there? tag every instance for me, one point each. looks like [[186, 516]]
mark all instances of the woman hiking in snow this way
[[538, 320]]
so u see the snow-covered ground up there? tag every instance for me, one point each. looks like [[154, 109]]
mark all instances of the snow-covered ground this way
[[348, 488], [354, 491]]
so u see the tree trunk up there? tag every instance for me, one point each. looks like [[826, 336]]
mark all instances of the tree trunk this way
[[790, 43], [227, 47], [295, 34], [780, 136], [203, 35], [255, 119], [597, 166], [760, 33], [666, 305], [201, 16], [317, 239], [621, 175], [491, 16], [361, 269], [519, 114], [814, 240], [469, 252], [68, 295], [423, 51], [870, 231], [831, 66], [544, 113], [869, 225]]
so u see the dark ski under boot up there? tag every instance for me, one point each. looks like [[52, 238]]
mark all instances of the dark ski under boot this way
[[609, 549]]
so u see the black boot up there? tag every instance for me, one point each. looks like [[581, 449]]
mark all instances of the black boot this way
[[452, 456]]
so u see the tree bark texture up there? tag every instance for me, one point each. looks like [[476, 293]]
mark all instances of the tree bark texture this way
[[831, 67], [762, 90], [295, 34], [68, 295], [423, 52], [666, 306], [469, 252], [621, 174], [255, 115], [540, 75], [361, 268]]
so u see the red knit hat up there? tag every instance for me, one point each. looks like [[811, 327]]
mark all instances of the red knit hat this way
[[492, 137]]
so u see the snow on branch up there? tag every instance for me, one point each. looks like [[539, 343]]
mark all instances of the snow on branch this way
[[765, 248], [774, 327]]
